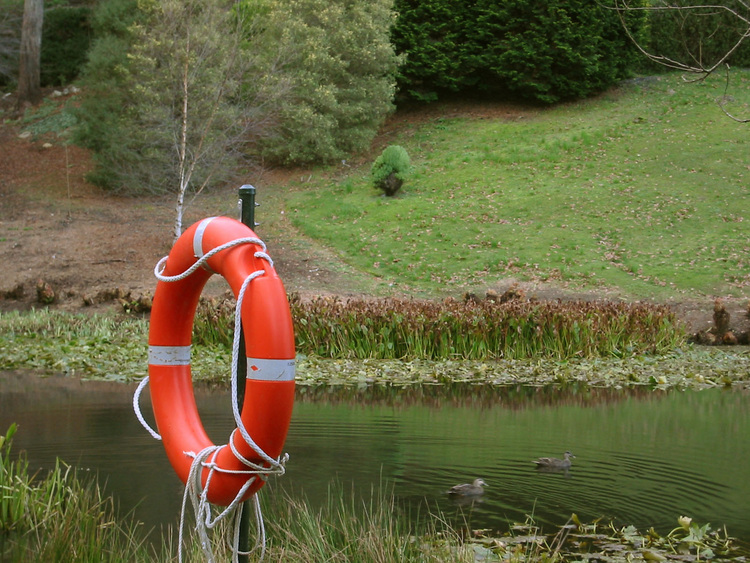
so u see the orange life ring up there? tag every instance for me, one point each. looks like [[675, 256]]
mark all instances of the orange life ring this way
[[269, 346]]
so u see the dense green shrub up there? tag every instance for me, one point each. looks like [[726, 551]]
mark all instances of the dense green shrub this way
[[340, 76], [434, 37], [537, 51], [105, 96], [389, 170], [66, 37]]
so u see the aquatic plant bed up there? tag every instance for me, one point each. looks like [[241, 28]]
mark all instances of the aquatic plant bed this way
[[687, 368], [577, 541], [482, 329], [114, 348]]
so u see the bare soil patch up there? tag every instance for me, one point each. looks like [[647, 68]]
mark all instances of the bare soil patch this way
[[90, 247]]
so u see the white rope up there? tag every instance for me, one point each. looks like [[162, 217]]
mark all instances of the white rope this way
[[199, 495], [137, 408], [194, 490], [235, 360], [161, 264]]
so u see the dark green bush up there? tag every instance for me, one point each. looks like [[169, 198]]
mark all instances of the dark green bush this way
[[537, 51], [438, 44], [389, 170], [104, 76], [66, 37], [105, 98]]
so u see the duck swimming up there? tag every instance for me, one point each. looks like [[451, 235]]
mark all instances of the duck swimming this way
[[468, 489], [555, 463]]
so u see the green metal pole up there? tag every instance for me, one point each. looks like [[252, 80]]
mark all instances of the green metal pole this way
[[247, 216], [247, 205]]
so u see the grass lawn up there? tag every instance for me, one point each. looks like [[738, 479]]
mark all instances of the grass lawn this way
[[643, 190]]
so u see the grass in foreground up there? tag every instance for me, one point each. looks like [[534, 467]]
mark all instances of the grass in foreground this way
[[60, 517], [642, 189]]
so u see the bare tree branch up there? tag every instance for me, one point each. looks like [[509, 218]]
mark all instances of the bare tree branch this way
[[696, 64], [624, 6], [725, 99]]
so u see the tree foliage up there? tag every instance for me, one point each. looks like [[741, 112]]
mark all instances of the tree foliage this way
[[66, 37], [179, 93], [184, 98], [539, 51], [102, 111], [341, 76]]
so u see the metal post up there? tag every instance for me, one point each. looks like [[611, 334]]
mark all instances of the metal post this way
[[247, 205], [247, 216]]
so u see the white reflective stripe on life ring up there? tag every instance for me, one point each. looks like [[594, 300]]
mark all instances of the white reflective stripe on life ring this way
[[198, 237], [263, 369], [169, 355]]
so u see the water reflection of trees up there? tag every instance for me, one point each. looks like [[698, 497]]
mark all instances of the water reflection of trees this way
[[515, 397], [22, 388]]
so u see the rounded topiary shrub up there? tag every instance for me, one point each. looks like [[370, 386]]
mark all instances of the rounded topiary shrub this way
[[390, 169]]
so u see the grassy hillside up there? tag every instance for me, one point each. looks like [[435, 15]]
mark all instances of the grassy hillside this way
[[643, 190]]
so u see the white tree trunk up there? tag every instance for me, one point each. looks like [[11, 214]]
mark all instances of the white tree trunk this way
[[179, 210], [182, 151]]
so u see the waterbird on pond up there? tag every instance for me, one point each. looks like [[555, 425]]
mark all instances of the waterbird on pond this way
[[555, 463], [468, 489]]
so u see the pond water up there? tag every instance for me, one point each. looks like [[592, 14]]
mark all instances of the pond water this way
[[643, 458]]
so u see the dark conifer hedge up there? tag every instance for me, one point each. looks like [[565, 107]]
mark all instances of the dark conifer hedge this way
[[537, 51]]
